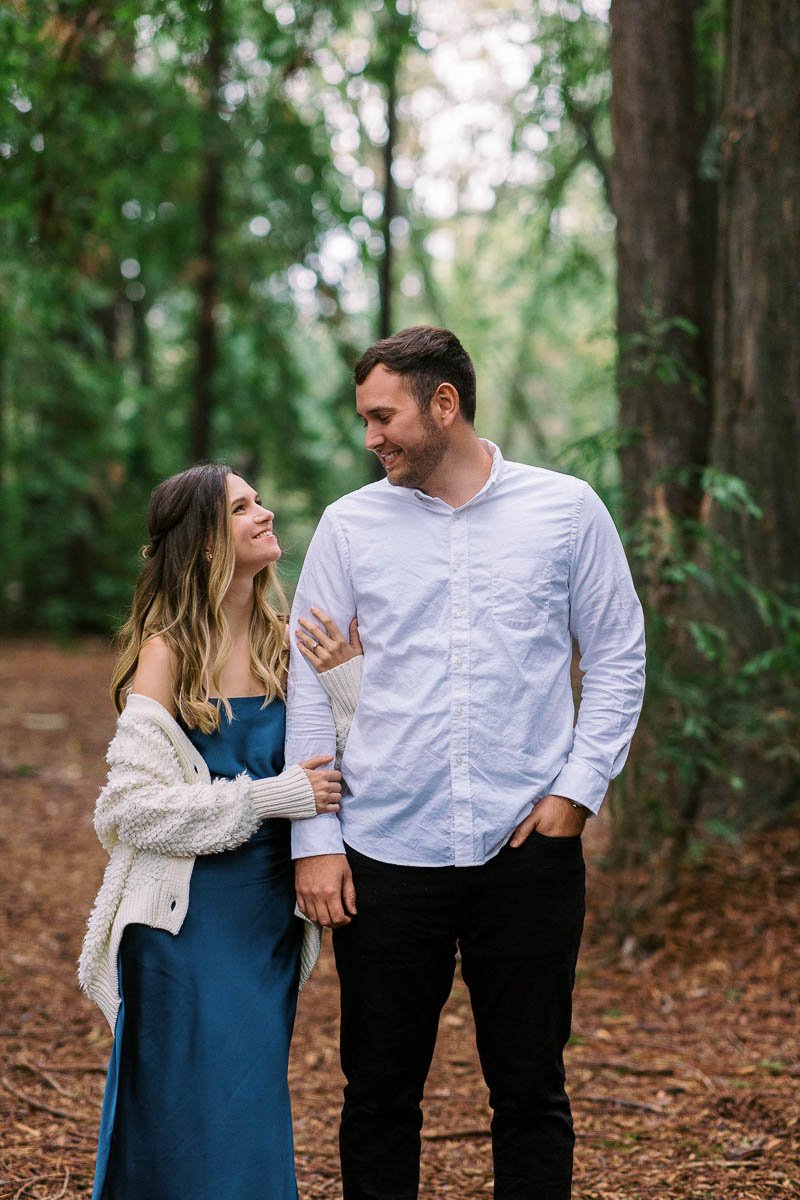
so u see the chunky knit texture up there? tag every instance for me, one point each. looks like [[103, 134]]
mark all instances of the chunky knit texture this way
[[157, 811], [343, 685]]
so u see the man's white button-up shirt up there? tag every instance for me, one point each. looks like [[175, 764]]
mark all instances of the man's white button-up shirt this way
[[467, 617]]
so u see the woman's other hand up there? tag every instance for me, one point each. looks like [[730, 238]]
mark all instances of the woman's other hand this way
[[326, 785], [323, 644]]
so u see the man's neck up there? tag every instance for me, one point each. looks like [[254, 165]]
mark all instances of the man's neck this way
[[462, 472]]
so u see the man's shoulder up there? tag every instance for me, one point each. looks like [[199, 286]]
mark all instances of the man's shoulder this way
[[362, 500], [543, 478]]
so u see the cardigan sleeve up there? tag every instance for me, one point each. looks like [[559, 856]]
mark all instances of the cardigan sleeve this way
[[147, 803], [343, 686]]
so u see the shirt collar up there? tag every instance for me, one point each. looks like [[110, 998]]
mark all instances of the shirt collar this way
[[495, 475]]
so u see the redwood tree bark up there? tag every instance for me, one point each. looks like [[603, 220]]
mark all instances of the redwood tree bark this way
[[664, 317], [756, 432], [662, 218]]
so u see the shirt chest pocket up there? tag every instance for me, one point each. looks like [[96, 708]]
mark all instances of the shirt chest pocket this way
[[521, 594]]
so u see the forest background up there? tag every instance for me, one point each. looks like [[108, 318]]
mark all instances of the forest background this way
[[207, 210]]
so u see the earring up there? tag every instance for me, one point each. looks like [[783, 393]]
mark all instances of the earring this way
[[209, 556]]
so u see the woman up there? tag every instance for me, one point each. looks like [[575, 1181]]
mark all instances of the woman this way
[[199, 982]]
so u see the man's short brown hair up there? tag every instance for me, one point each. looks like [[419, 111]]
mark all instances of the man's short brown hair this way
[[425, 356]]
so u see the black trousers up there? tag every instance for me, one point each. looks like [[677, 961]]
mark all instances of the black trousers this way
[[517, 921]]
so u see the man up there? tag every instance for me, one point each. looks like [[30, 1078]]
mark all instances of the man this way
[[467, 786]]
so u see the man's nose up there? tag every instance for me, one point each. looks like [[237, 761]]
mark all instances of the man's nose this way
[[373, 438]]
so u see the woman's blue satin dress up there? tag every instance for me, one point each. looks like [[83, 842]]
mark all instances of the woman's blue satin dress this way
[[197, 1102]]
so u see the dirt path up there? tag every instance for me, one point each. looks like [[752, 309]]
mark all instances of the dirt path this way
[[684, 1069]]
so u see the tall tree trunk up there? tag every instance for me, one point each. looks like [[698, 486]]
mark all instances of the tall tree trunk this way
[[664, 222], [664, 366], [387, 69], [392, 35], [9, 536], [141, 343], [757, 352], [210, 215], [389, 202]]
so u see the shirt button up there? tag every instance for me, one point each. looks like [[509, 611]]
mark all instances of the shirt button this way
[[458, 662], [458, 760], [459, 710], [459, 612]]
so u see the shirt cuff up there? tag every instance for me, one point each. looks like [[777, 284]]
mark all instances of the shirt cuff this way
[[580, 783], [322, 835]]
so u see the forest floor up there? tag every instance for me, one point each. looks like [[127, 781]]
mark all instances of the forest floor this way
[[684, 1067]]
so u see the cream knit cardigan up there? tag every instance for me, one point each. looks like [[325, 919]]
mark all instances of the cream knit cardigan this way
[[159, 810]]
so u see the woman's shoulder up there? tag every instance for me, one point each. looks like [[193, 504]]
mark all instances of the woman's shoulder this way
[[155, 672], [157, 649], [148, 734]]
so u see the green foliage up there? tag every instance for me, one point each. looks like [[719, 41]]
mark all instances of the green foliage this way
[[528, 284], [110, 118], [709, 27], [713, 705], [729, 492], [114, 121], [656, 352], [107, 128]]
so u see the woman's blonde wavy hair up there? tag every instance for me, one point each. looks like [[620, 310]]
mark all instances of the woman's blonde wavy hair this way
[[188, 567]]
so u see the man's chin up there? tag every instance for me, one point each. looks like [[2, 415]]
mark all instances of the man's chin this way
[[401, 480]]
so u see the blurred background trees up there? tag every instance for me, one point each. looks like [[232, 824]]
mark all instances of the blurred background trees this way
[[705, 190], [207, 210]]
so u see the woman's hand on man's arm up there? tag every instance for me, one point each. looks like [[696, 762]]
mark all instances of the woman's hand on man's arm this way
[[322, 643], [325, 784]]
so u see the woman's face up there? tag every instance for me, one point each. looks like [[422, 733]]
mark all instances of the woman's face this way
[[254, 543]]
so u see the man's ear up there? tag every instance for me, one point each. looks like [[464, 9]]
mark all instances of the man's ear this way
[[447, 404]]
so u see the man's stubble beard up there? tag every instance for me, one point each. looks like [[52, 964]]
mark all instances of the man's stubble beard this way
[[423, 459]]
